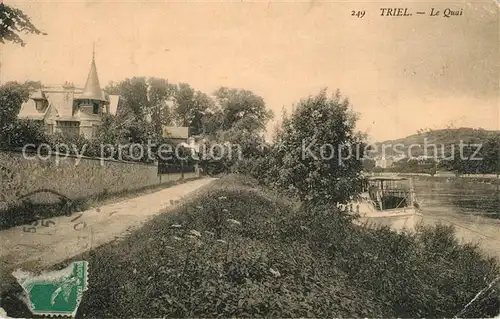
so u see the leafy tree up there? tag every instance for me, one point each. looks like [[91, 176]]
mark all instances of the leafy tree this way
[[243, 148], [414, 165], [212, 121], [108, 132], [492, 155], [202, 106], [134, 110], [147, 104], [14, 21], [311, 154], [237, 120], [241, 109], [368, 164], [12, 96], [160, 94], [475, 158], [191, 107], [183, 100], [133, 94]]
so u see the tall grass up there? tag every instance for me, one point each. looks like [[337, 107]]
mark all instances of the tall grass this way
[[238, 250]]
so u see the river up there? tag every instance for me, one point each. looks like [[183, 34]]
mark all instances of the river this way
[[459, 196], [472, 207]]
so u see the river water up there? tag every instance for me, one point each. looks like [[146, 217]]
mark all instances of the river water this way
[[472, 207], [458, 196]]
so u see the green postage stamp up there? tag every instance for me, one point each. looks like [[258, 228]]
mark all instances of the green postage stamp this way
[[55, 293]]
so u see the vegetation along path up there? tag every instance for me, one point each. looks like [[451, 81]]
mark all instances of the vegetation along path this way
[[60, 238]]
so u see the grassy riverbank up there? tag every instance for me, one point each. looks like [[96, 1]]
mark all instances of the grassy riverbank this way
[[237, 249]]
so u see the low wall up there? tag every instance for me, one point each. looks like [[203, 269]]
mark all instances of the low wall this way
[[72, 177], [164, 178]]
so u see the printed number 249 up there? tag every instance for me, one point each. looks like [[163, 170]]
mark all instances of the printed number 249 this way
[[359, 13]]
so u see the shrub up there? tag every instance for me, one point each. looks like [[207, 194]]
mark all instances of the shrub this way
[[167, 270], [23, 132], [426, 274], [239, 250]]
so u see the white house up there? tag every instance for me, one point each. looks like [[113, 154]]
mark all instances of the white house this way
[[70, 110]]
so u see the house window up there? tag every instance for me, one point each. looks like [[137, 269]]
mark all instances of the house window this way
[[96, 108], [69, 128], [40, 105]]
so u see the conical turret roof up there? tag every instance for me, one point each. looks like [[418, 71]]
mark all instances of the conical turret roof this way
[[92, 90]]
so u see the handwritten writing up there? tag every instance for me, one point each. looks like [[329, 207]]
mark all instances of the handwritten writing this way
[[42, 222]]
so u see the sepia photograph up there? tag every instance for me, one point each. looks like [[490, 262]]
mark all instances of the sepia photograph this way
[[249, 158]]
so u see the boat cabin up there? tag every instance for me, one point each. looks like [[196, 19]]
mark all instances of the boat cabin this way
[[390, 192]]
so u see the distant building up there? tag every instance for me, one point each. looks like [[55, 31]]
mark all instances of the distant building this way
[[383, 162], [70, 110]]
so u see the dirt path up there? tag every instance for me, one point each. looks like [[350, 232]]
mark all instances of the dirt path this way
[[65, 237], [470, 228]]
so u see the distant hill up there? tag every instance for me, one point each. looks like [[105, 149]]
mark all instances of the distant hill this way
[[441, 138]]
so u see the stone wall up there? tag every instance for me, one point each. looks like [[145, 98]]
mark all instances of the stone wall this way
[[72, 177]]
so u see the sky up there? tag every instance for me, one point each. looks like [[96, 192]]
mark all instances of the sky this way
[[400, 74]]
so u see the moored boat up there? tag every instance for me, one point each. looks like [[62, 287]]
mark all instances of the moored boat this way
[[387, 201]]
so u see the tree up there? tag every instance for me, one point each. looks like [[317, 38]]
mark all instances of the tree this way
[[191, 107], [212, 121], [12, 96], [241, 109], [13, 22], [237, 119], [109, 132], [317, 153], [147, 104], [368, 164], [492, 155], [134, 113], [133, 94], [475, 158], [183, 100], [160, 94], [202, 106]]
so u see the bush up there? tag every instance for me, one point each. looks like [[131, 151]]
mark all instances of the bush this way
[[426, 274], [238, 250], [23, 132], [230, 270]]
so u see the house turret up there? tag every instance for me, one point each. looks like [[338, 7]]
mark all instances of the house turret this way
[[92, 99], [68, 109]]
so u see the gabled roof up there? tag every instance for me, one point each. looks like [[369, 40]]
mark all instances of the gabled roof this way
[[28, 111], [61, 98], [61, 102], [38, 95]]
